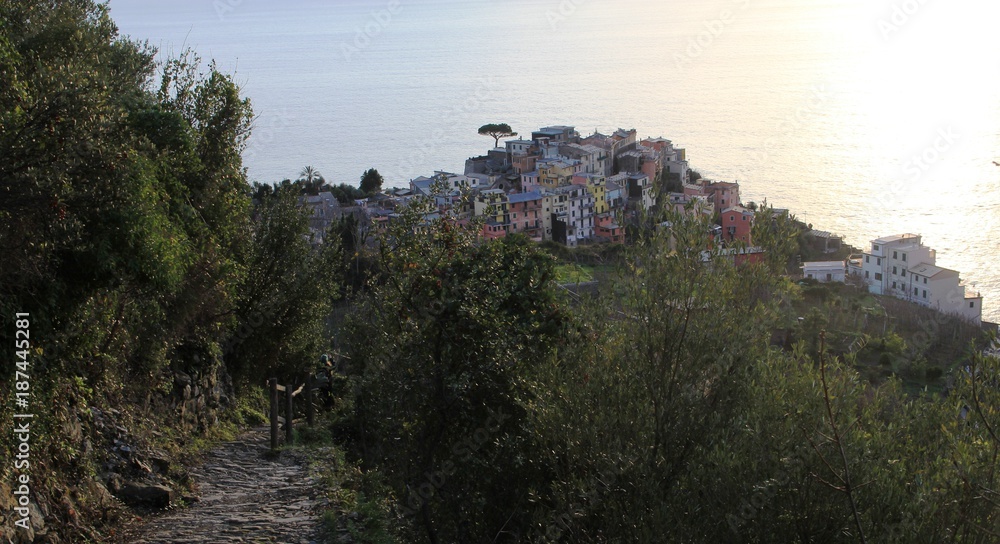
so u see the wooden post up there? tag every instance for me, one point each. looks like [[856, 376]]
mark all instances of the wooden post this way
[[288, 413], [310, 416], [273, 387]]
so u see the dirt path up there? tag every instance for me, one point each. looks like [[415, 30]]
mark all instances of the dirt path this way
[[246, 496]]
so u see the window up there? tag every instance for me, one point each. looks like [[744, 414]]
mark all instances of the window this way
[[925, 281], [904, 257], [925, 293], [893, 285], [829, 277], [894, 271], [914, 290], [866, 274], [878, 276], [868, 259], [874, 247], [895, 255], [903, 273], [972, 304], [879, 261]]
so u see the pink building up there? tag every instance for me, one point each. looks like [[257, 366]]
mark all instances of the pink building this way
[[525, 211], [652, 169], [724, 194], [607, 229], [530, 181], [693, 189], [737, 223], [493, 230]]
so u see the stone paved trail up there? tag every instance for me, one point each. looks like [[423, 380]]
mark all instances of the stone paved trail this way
[[245, 496]]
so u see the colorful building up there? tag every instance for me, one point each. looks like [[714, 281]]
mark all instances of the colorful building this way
[[737, 224], [724, 194], [608, 229], [596, 184], [553, 173], [526, 214], [492, 205]]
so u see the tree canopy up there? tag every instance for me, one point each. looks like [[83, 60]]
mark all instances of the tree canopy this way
[[130, 238], [452, 329], [655, 407], [497, 131], [371, 182], [312, 181]]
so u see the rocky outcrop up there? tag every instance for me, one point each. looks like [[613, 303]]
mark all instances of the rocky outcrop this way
[[145, 495], [196, 399], [114, 444]]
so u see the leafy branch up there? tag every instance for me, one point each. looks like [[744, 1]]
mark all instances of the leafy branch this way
[[843, 477]]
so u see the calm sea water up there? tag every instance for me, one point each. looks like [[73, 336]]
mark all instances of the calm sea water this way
[[865, 117]]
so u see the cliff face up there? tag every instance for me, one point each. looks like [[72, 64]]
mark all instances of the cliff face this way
[[101, 465]]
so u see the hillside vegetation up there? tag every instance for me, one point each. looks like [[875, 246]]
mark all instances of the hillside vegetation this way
[[477, 399], [490, 404], [157, 292]]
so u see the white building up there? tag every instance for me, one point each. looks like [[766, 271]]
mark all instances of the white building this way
[[518, 147], [593, 159], [458, 182], [943, 290], [675, 163], [825, 271], [572, 214], [901, 266]]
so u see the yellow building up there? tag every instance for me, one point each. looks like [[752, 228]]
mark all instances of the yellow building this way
[[554, 173], [596, 185], [492, 205]]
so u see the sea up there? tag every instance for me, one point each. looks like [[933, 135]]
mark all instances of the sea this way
[[863, 117]]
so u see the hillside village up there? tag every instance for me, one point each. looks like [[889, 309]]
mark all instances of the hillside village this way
[[559, 186]]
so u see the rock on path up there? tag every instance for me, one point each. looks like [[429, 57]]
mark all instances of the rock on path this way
[[246, 496]]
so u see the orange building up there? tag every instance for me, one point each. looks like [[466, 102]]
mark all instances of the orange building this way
[[607, 229], [737, 224]]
